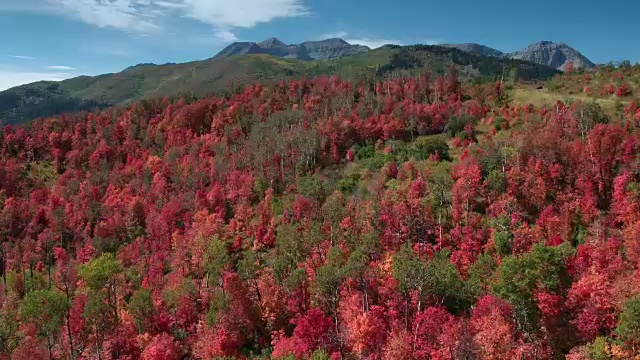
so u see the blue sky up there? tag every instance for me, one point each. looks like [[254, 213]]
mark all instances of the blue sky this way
[[57, 39]]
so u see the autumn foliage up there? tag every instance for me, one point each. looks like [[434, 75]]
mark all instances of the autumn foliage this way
[[415, 218]]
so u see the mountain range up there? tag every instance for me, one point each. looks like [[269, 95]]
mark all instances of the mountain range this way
[[555, 55], [309, 50], [476, 49], [272, 60]]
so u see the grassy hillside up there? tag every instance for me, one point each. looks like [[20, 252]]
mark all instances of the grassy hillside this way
[[200, 78], [611, 88]]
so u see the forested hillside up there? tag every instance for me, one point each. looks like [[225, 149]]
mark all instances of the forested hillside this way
[[230, 74], [416, 218]]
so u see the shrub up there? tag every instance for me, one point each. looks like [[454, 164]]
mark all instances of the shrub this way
[[425, 146], [377, 161], [500, 123], [457, 124], [365, 152], [312, 187], [349, 182], [623, 90]]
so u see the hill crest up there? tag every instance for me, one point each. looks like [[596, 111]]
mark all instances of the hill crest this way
[[554, 54], [326, 49]]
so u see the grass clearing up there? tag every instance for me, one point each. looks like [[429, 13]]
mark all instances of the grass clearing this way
[[541, 98]]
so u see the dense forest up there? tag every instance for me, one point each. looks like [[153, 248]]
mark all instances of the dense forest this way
[[415, 218]]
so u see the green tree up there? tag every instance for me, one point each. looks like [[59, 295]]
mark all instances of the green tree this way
[[319, 355], [141, 308], [174, 296], [356, 268], [333, 211], [219, 302], [249, 265], [589, 115], [497, 154], [312, 187], [216, 259], [409, 272], [9, 324], [46, 309], [436, 281], [519, 276], [289, 250], [443, 283], [102, 275], [599, 349], [330, 276], [628, 330], [440, 185], [502, 242], [99, 318], [248, 270], [328, 280], [480, 276]]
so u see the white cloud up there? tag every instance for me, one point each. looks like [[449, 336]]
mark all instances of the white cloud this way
[[9, 79], [60, 67], [225, 36], [118, 14], [170, 4], [22, 57], [371, 42], [433, 41], [339, 34], [148, 16], [242, 14]]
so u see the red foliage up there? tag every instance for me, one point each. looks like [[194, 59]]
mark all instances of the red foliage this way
[[494, 331], [161, 347], [399, 346], [428, 327], [623, 90], [211, 343], [30, 348], [591, 300], [202, 204], [312, 331]]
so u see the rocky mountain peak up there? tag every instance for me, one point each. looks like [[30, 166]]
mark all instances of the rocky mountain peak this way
[[309, 50], [555, 55], [271, 42]]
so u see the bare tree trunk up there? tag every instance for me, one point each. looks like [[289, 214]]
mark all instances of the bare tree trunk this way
[[406, 313], [50, 347], [68, 317]]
